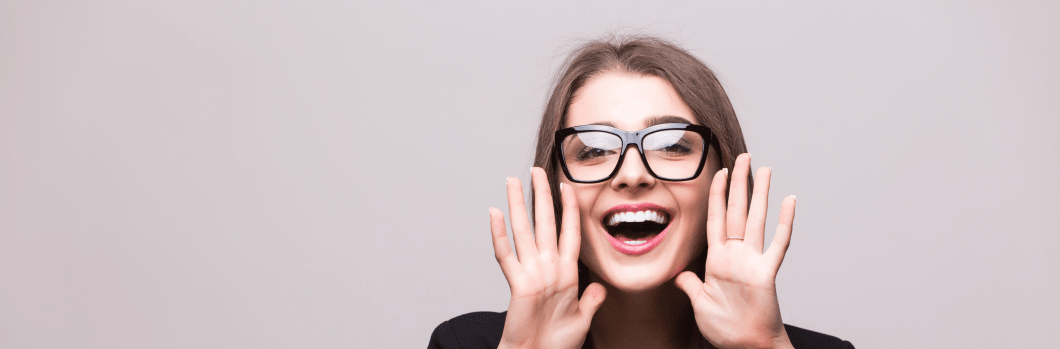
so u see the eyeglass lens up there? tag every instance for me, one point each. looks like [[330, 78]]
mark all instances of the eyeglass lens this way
[[671, 154]]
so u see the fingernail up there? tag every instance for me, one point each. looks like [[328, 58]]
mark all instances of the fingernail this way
[[506, 180], [726, 171], [561, 186], [793, 196]]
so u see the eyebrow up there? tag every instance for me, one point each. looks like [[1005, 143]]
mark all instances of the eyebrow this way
[[654, 120], [667, 119]]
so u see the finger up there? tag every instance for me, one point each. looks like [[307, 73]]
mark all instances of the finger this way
[[544, 217], [716, 208], [501, 249], [736, 213], [779, 247], [756, 217], [591, 300], [570, 237], [521, 232], [690, 283]]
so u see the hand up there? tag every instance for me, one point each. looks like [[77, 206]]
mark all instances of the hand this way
[[545, 311], [736, 304]]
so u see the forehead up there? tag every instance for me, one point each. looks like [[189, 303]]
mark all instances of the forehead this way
[[627, 101]]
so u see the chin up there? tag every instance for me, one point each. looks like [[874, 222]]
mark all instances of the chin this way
[[639, 278], [637, 285]]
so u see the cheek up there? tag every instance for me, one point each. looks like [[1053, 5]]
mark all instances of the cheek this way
[[588, 253], [586, 199], [693, 196], [589, 237]]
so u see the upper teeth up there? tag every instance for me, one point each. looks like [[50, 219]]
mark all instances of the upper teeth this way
[[641, 216]]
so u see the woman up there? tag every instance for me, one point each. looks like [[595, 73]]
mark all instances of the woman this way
[[645, 247]]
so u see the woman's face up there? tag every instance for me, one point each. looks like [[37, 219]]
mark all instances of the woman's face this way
[[638, 262]]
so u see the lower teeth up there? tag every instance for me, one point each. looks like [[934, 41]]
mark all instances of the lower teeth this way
[[634, 242]]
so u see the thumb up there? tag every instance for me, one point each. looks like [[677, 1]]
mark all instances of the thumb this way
[[592, 298], [688, 281]]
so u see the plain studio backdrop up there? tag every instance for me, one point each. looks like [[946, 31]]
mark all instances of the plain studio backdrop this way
[[316, 174]]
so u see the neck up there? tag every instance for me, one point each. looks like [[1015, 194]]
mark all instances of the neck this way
[[657, 318]]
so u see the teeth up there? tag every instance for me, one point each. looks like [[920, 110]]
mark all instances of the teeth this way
[[641, 216], [634, 242]]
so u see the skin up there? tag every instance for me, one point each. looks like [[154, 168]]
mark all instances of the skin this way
[[635, 301]]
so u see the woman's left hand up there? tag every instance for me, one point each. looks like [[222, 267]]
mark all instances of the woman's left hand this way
[[736, 304]]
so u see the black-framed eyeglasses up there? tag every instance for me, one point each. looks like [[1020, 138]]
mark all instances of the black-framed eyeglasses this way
[[671, 152]]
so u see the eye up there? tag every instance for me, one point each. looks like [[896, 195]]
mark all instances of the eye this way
[[673, 144], [590, 148], [590, 153], [680, 148], [668, 142]]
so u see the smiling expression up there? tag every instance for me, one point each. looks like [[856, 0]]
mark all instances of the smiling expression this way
[[638, 231]]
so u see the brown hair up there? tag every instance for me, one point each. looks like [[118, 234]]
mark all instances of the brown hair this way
[[694, 83]]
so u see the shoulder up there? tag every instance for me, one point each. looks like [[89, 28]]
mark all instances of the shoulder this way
[[803, 338], [472, 330]]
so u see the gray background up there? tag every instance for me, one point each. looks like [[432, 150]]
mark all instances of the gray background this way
[[315, 174]]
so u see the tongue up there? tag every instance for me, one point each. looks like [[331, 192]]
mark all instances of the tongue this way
[[623, 238]]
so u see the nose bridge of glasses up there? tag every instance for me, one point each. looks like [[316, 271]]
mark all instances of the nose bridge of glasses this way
[[635, 152]]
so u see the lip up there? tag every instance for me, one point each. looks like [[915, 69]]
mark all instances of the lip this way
[[636, 250]]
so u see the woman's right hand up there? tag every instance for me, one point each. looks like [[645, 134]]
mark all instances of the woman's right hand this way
[[545, 311]]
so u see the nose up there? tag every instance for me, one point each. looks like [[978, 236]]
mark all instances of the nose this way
[[632, 174]]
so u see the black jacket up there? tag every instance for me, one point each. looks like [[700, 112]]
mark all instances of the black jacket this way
[[483, 330]]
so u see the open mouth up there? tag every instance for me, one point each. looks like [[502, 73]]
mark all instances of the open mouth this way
[[636, 228]]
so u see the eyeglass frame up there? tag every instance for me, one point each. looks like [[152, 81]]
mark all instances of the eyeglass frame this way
[[633, 138]]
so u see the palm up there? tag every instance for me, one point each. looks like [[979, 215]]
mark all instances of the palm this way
[[545, 311], [735, 305]]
